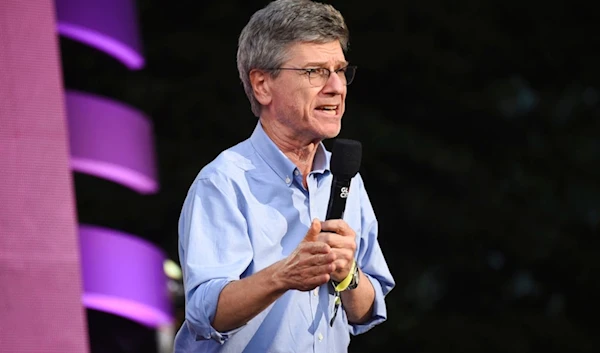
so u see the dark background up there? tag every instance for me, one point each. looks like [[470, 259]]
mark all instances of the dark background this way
[[479, 123]]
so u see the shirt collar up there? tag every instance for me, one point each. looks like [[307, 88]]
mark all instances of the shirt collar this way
[[321, 162], [279, 162]]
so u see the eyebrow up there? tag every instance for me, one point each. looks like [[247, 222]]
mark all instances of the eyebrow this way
[[323, 64]]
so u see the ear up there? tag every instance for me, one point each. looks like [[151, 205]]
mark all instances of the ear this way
[[260, 85]]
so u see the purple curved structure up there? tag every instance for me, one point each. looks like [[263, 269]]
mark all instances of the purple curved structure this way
[[111, 140], [123, 275], [40, 284], [108, 25]]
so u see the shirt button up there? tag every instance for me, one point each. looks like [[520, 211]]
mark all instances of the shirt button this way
[[296, 172], [287, 180], [316, 291], [320, 336]]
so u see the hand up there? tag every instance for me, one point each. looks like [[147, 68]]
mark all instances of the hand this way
[[342, 239], [310, 264]]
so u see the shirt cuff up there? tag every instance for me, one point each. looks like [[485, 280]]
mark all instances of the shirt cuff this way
[[220, 337], [379, 314], [208, 295]]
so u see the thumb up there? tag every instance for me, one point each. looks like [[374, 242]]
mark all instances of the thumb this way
[[313, 231]]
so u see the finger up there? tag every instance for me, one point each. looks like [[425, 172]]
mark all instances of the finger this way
[[324, 269], [325, 237], [313, 282], [338, 226], [331, 239], [342, 269], [337, 241], [315, 247], [324, 259], [343, 254], [313, 231]]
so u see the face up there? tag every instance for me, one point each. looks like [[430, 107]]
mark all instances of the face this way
[[306, 112]]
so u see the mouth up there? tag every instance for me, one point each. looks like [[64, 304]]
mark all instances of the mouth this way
[[332, 110]]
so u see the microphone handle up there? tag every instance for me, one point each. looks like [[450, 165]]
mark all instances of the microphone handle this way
[[340, 189]]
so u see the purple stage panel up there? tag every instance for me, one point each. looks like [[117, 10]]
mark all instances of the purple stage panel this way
[[40, 273], [111, 140], [107, 25], [123, 275]]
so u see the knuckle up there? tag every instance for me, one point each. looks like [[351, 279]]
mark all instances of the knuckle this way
[[353, 246]]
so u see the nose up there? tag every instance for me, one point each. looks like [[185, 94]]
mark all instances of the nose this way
[[334, 85]]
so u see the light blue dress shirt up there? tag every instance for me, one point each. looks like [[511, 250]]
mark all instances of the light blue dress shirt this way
[[246, 210]]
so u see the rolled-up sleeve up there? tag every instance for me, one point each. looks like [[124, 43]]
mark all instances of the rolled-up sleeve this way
[[372, 262], [214, 250]]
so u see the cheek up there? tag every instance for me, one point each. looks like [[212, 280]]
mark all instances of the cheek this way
[[296, 102], [299, 101]]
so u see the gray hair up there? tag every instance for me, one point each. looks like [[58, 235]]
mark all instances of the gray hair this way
[[264, 42]]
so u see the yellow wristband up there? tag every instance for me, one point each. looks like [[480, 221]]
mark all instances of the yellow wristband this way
[[340, 287]]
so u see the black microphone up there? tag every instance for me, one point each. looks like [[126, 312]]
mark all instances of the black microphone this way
[[345, 162]]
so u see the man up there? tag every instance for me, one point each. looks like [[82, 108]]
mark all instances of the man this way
[[259, 261]]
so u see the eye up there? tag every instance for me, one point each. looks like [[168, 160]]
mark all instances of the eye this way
[[315, 72]]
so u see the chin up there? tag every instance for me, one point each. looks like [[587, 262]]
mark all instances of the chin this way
[[330, 132], [326, 128]]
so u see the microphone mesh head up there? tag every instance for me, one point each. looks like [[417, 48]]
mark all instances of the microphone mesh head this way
[[346, 156]]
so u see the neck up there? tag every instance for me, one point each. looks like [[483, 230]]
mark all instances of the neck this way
[[300, 152]]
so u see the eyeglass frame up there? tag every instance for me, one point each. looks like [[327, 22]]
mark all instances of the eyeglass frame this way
[[309, 71]]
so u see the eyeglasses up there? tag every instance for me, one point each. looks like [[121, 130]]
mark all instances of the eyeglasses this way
[[319, 76]]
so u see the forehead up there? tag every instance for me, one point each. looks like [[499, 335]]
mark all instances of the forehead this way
[[316, 53]]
